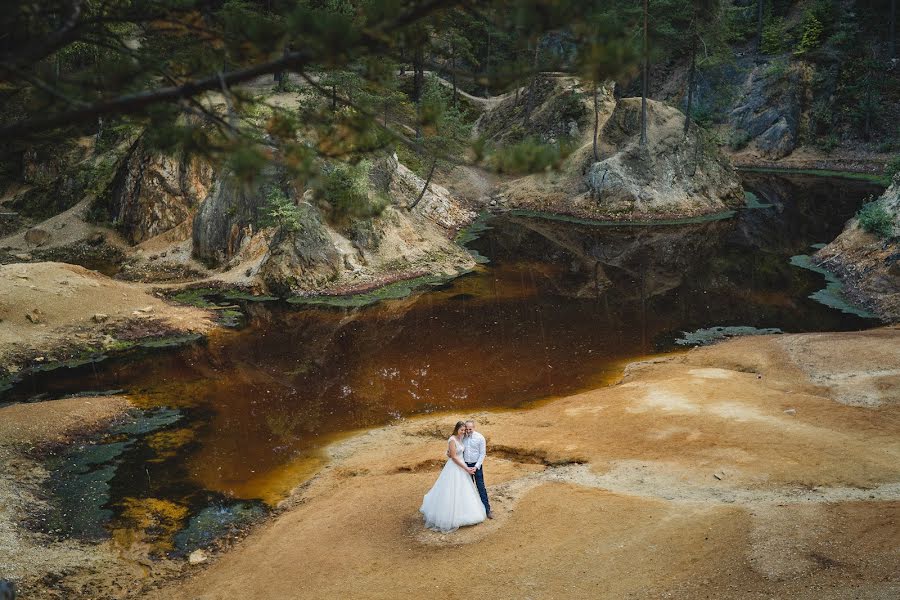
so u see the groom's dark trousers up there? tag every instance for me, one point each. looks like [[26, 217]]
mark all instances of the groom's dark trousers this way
[[479, 483]]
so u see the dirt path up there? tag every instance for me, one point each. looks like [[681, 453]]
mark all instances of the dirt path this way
[[741, 470]]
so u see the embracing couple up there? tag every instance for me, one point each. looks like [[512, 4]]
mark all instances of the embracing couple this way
[[454, 500]]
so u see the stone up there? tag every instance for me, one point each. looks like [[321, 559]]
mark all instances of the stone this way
[[37, 236], [198, 557], [152, 193], [35, 316], [673, 174], [791, 411], [100, 318]]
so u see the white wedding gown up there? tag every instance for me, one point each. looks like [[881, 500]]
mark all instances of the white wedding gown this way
[[453, 501]]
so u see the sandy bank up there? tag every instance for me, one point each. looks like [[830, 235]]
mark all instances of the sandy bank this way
[[51, 310], [760, 467]]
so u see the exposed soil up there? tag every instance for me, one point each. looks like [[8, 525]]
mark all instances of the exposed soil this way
[[54, 311], [742, 470]]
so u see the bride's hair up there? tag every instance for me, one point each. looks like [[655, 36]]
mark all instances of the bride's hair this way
[[459, 425]]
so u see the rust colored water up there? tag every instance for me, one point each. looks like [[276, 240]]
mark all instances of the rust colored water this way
[[559, 308]]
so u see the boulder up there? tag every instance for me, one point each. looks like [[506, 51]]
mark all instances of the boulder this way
[[675, 175], [228, 217], [37, 237], [770, 109], [301, 259]]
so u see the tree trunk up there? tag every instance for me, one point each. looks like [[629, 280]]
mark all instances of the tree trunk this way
[[532, 89], [893, 22], [690, 84], [487, 67], [596, 124], [425, 187], [453, 69], [418, 83], [418, 73], [644, 83], [868, 110], [760, 9]]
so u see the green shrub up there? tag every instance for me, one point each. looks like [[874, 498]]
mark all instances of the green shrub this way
[[875, 219], [343, 190], [811, 37], [773, 36], [529, 156], [892, 167], [281, 211], [738, 139], [777, 69], [829, 142]]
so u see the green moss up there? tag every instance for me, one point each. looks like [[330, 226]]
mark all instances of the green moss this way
[[832, 295], [471, 233], [821, 173], [711, 335], [751, 200]]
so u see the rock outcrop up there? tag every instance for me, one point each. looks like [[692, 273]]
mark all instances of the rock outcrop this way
[[769, 111], [867, 263], [153, 193], [226, 218], [675, 174]]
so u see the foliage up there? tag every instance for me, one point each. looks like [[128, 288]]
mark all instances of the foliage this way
[[777, 69], [342, 191], [875, 219], [811, 36], [773, 36], [829, 142], [892, 167], [530, 156], [281, 211]]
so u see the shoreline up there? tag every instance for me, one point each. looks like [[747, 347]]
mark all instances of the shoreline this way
[[545, 453], [548, 450]]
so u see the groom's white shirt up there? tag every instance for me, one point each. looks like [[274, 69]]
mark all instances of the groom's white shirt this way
[[474, 449]]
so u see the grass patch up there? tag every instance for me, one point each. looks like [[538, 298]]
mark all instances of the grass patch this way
[[874, 218]]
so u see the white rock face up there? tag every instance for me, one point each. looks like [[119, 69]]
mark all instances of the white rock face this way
[[436, 205]]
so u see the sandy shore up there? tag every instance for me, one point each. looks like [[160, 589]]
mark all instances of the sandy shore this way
[[760, 467], [50, 311]]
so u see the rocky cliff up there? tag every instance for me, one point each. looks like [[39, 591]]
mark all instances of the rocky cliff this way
[[674, 176]]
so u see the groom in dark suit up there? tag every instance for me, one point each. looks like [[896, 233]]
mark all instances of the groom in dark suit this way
[[474, 451]]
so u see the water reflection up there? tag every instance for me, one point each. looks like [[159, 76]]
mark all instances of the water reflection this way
[[558, 309]]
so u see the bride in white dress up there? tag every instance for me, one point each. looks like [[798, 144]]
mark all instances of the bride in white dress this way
[[453, 501]]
